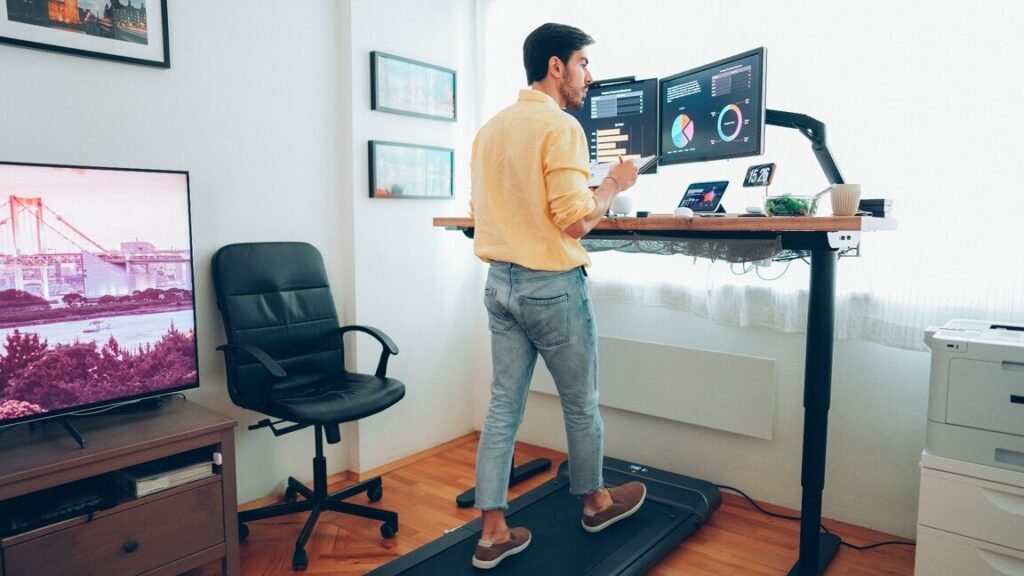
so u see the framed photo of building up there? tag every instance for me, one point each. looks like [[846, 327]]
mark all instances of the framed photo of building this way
[[410, 171], [133, 31], [405, 86]]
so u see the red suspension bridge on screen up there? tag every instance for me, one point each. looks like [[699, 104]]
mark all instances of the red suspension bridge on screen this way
[[43, 253]]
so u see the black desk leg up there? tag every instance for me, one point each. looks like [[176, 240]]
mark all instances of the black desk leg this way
[[817, 549]]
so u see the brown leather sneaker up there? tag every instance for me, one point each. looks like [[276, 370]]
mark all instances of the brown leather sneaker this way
[[489, 555], [626, 500]]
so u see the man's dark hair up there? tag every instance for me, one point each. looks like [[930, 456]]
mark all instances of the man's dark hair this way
[[547, 41]]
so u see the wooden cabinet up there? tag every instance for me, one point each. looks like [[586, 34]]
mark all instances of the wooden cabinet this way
[[163, 534], [970, 519]]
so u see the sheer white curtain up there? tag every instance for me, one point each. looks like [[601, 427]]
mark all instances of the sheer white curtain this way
[[923, 106]]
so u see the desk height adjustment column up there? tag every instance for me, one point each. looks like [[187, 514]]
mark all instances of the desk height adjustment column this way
[[817, 549]]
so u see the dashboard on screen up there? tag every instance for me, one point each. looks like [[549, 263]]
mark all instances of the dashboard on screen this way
[[620, 119], [715, 111]]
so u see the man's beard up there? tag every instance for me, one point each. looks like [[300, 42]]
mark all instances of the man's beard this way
[[569, 95]]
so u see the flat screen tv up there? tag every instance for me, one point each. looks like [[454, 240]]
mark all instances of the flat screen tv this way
[[620, 119], [715, 111], [96, 299]]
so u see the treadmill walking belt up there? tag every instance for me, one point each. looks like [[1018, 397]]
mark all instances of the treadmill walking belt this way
[[676, 506]]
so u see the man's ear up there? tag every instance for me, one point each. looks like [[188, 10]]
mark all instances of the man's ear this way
[[555, 67]]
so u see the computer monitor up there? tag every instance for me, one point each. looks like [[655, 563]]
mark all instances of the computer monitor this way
[[715, 111], [96, 299], [620, 118]]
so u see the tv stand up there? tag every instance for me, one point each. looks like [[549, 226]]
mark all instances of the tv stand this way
[[165, 533]]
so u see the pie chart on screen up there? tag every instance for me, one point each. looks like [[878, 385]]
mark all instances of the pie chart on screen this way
[[682, 130]]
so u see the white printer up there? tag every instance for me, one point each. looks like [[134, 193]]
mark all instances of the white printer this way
[[976, 399]]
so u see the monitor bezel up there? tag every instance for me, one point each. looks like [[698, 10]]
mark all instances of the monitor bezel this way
[[99, 406], [662, 161]]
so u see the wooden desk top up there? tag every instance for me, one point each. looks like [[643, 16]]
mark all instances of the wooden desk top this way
[[665, 222]]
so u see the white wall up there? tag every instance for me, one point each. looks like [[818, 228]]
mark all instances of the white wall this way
[[269, 112], [420, 284], [875, 436], [886, 78], [250, 107]]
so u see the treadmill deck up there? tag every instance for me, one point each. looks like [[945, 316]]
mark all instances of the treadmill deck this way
[[676, 506]]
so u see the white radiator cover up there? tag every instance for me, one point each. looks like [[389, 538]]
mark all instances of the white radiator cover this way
[[730, 392]]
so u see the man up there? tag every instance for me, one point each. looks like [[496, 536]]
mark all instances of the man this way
[[531, 205]]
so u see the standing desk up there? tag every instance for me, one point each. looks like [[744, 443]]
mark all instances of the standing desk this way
[[823, 238]]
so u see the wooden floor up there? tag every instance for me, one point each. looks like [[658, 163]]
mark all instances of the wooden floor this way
[[737, 540]]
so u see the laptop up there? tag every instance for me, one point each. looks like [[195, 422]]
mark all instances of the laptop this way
[[705, 198]]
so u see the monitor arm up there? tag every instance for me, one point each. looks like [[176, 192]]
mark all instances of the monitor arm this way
[[814, 130]]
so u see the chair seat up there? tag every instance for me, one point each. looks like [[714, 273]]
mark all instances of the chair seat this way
[[343, 398]]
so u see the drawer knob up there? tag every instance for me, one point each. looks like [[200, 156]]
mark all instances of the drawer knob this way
[[131, 546]]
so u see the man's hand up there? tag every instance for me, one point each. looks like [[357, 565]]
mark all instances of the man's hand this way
[[624, 174], [620, 177]]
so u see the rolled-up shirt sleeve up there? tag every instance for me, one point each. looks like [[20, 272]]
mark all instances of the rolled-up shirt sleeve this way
[[566, 176]]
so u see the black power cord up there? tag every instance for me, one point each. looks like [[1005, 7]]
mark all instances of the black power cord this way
[[827, 531]]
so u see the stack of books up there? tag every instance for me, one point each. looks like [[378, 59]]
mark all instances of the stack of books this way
[[149, 477], [878, 207]]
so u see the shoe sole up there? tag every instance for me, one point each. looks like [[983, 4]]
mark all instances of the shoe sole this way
[[487, 564], [623, 516]]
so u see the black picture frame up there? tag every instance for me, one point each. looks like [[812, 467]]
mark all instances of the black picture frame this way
[[405, 86], [399, 170], [122, 32]]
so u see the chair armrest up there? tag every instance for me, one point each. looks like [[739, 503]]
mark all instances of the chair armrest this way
[[388, 346], [262, 357]]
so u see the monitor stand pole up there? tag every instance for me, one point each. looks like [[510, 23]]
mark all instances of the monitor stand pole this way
[[816, 549], [71, 430], [519, 473]]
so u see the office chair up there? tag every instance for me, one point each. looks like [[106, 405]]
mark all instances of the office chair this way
[[285, 359]]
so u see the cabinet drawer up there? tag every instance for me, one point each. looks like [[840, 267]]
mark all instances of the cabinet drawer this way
[[986, 395], [973, 507], [162, 531], [943, 554]]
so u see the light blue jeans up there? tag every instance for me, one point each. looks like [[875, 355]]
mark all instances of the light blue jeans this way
[[532, 311]]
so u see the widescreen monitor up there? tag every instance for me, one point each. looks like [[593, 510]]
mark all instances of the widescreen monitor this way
[[96, 297], [715, 111], [620, 119]]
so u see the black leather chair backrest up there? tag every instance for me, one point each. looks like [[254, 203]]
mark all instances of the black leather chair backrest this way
[[275, 296]]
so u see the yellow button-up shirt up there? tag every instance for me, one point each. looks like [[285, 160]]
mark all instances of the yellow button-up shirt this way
[[531, 170]]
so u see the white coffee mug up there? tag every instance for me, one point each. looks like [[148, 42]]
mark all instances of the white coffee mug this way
[[845, 199]]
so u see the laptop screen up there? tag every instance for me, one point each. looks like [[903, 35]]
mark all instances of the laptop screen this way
[[703, 196]]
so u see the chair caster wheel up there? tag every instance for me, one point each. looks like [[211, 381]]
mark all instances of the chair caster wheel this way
[[290, 495], [299, 560], [387, 530], [375, 494], [243, 532]]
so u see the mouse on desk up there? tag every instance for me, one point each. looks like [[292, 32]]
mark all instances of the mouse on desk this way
[[683, 212]]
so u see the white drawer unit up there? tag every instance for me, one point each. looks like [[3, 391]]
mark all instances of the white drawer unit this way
[[941, 552], [970, 519]]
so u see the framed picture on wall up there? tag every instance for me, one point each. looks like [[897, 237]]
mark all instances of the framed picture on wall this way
[[410, 171], [133, 31], [405, 86]]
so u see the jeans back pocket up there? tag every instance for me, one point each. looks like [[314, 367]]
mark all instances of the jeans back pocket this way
[[546, 320]]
